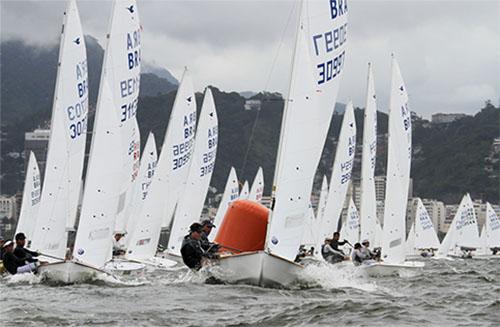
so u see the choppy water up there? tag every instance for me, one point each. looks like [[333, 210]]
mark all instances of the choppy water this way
[[446, 293]]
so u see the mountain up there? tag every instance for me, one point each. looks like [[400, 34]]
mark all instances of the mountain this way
[[448, 160], [152, 68]]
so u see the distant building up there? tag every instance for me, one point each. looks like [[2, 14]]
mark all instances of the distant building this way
[[446, 118], [496, 145], [38, 142], [252, 105], [8, 215]]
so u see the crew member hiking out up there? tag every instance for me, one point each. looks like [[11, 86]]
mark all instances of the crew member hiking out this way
[[15, 265], [21, 252], [191, 250]]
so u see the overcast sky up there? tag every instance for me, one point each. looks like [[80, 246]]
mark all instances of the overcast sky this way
[[449, 51]]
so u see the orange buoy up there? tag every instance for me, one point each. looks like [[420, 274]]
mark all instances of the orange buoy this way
[[244, 227]]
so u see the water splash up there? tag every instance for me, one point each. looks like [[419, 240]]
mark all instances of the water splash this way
[[342, 275], [27, 278]]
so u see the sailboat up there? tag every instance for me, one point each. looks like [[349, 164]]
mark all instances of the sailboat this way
[[309, 107], [490, 235], [245, 192], [169, 178], [31, 199], [398, 179], [463, 233], [422, 238], [114, 151], [368, 205], [64, 163], [231, 194], [257, 187], [191, 202], [341, 175]]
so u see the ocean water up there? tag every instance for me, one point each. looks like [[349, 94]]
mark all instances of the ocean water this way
[[444, 293]]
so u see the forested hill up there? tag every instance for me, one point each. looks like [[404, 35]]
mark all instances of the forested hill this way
[[449, 159]]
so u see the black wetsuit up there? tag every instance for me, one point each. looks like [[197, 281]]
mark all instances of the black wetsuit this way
[[335, 245], [11, 262], [25, 254], [192, 252]]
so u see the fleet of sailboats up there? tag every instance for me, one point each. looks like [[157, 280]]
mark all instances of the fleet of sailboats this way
[[138, 196]]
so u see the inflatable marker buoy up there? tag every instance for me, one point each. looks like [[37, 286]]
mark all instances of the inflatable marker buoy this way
[[244, 227]]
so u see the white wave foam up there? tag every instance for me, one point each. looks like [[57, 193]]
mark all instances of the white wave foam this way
[[341, 275], [26, 278]]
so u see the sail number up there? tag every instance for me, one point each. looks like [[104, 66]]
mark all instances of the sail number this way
[[330, 69], [77, 114], [182, 153]]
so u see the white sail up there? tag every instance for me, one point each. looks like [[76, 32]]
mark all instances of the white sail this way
[[492, 228], [463, 231], [316, 69], [341, 173], [140, 234], [176, 151], [483, 249], [410, 242], [170, 173], [245, 191], [66, 149], [425, 234], [350, 228], [378, 235], [231, 193], [398, 170], [467, 232], [191, 202], [257, 186], [31, 199], [368, 205], [114, 153]]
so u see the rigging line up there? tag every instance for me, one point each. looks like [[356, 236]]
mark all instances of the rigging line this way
[[273, 65]]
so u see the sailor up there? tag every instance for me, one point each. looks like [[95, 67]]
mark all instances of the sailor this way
[[302, 253], [208, 247], [191, 250], [21, 252], [330, 254], [335, 242], [357, 256], [367, 253], [14, 264], [118, 246]]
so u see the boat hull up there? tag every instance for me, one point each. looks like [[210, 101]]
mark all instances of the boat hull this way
[[257, 268], [68, 272], [382, 269], [122, 267]]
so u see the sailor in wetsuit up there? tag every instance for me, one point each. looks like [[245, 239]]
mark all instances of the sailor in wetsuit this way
[[208, 247], [14, 264], [21, 252]]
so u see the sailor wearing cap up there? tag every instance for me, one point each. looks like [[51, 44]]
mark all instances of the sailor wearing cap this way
[[22, 252], [191, 250], [13, 264], [207, 246], [118, 246]]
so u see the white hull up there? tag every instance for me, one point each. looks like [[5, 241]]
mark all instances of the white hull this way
[[257, 268], [68, 272], [124, 267], [157, 262], [380, 269]]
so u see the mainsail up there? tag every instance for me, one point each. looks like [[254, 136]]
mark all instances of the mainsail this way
[[316, 69], [398, 170], [425, 234], [257, 186], [31, 199], [139, 230], [231, 193], [368, 206], [341, 173], [492, 227], [176, 151], [68, 131], [114, 153], [191, 202], [170, 173], [350, 228]]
